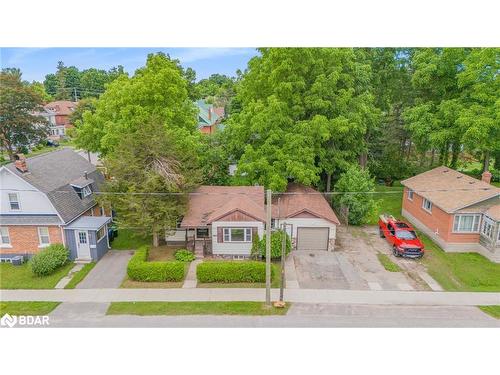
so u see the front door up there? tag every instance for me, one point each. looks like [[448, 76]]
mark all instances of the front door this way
[[82, 244]]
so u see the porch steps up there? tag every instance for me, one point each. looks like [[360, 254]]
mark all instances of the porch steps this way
[[82, 261]]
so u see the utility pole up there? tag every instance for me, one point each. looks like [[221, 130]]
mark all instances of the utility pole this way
[[268, 247], [283, 254]]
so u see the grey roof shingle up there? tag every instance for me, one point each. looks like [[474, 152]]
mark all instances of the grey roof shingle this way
[[53, 173], [30, 220]]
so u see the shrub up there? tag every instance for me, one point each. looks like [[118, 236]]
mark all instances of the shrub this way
[[276, 239], [361, 205], [140, 269], [232, 272], [184, 255], [255, 251], [49, 260]]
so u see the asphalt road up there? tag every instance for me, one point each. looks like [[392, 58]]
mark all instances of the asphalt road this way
[[91, 314]]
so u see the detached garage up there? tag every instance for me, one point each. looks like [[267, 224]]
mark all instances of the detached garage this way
[[310, 221]]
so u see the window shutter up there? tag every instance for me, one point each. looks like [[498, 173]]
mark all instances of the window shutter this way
[[220, 235]]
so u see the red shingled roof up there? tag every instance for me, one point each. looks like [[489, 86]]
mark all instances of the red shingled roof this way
[[61, 107], [210, 203], [305, 199]]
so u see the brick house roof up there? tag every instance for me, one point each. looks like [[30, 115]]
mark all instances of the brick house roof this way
[[210, 203], [450, 190], [303, 199]]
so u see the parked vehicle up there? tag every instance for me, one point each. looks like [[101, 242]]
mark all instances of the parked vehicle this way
[[401, 236], [52, 143], [112, 232]]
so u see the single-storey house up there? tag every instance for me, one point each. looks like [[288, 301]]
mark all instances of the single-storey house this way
[[458, 212], [49, 199], [223, 220], [307, 216]]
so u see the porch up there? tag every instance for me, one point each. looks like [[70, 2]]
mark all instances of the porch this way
[[197, 240], [87, 237]]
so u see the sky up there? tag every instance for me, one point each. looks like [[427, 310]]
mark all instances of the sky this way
[[35, 63]]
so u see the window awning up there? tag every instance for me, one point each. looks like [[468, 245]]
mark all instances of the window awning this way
[[89, 222]]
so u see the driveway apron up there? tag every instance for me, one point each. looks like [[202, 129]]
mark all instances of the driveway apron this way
[[109, 272]]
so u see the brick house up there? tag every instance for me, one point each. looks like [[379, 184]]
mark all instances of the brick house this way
[[58, 115], [49, 199], [223, 220], [458, 212]]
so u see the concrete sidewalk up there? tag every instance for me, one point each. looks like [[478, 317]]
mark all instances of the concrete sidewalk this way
[[369, 297]]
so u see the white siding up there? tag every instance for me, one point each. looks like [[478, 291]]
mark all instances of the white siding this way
[[234, 248], [31, 200], [178, 236], [309, 222]]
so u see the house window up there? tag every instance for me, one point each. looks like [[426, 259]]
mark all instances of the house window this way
[[466, 223], [43, 236], [14, 201], [101, 233], [487, 228], [237, 234], [410, 194], [427, 205], [86, 191], [201, 232], [4, 236]]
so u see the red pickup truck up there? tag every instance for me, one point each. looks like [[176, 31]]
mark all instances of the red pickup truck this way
[[401, 236]]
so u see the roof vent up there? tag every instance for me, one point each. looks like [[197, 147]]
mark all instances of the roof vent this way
[[472, 182], [446, 171], [459, 177]]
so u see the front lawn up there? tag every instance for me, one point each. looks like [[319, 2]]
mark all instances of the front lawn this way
[[27, 308], [389, 200], [21, 277], [460, 271], [494, 310], [80, 275], [388, 264], [194, 308], [128, 240]]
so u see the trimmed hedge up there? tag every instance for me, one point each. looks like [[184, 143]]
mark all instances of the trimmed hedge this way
[[233, 272], [47, 261], [139, 269]]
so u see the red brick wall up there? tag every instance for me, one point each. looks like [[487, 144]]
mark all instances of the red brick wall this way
[[437, 220], [24, 238]]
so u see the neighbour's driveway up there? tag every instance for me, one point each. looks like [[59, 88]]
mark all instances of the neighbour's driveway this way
[[109, 272]]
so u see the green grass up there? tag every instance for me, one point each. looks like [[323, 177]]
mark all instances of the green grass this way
[[388, 264], [194, 308], [389, 200], [493, 310], [460, 271], [27, 308], [21, 277], [128, 240], [79, 276]]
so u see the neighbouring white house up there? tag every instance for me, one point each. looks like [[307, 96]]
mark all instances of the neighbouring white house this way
[[308, 218]]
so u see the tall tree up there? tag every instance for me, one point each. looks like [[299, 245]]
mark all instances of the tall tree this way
[[479, 117], [304, 113], [146, 164], [39, 88], [19, 126], [157, 90]]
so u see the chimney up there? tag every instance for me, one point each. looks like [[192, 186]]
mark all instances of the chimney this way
[[486, 177], [210, 114], [20, 163], [86, 175]]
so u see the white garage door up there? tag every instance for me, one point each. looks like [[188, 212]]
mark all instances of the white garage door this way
[[312, 238]]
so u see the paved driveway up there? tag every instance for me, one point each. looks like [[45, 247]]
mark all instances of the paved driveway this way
[[109, 272]]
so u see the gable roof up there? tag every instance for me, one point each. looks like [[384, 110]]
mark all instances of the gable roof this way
[[204, 118], [54, 172], [303, 199], [61, 107], [450, 190], [209, 203]]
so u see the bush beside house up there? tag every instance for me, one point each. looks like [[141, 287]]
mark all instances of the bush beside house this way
[[233, 272], [276, 244], [47, 261], [139, 269], [184, 255]]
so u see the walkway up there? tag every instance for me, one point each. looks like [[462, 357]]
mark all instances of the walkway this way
[[191, 281], [109, 272], [370, 297]]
